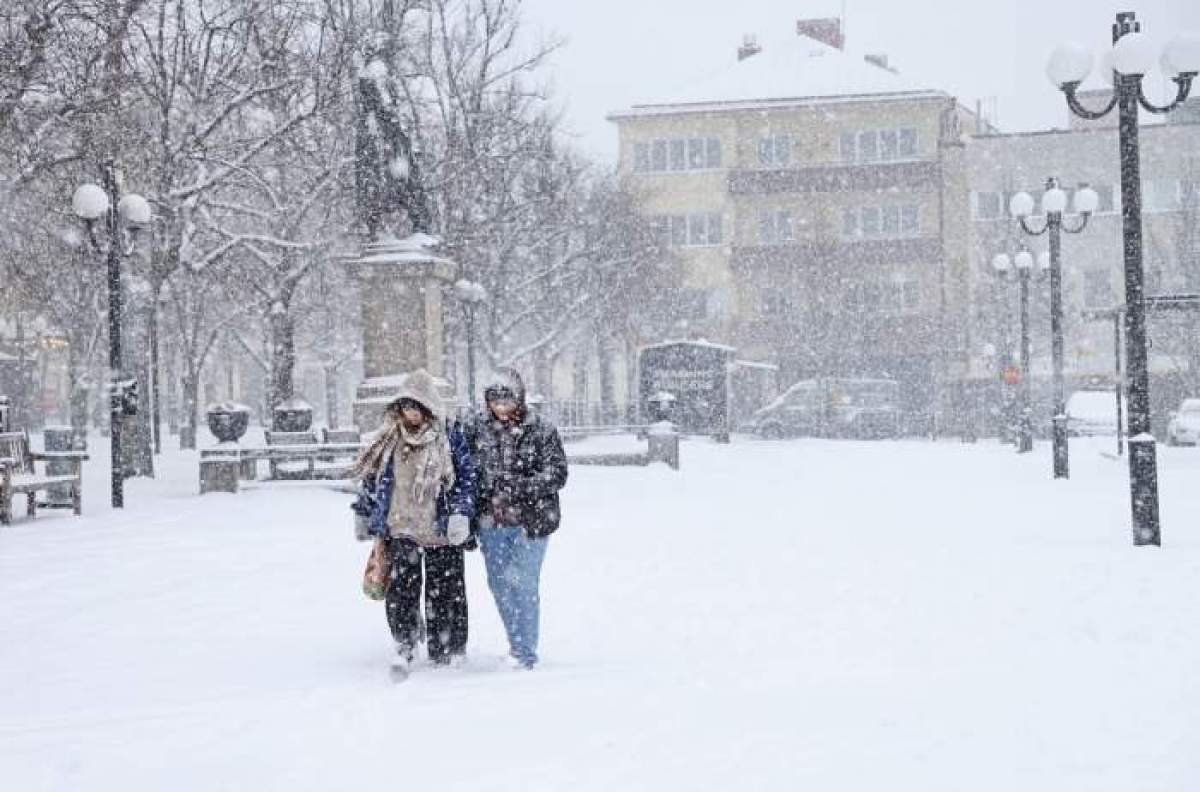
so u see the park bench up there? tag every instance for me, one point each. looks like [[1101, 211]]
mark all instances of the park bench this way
[[662, 444], [221, 467], [18, 475], [286, 467]]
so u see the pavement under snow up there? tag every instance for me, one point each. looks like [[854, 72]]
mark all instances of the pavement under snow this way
[[788, 615]]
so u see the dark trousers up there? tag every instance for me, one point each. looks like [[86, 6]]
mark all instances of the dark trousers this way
[[445, 598]]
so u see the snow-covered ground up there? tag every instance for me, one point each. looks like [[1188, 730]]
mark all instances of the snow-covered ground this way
[[790, 615]]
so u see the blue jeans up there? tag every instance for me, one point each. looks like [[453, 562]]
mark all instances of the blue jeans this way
[[514, 565]]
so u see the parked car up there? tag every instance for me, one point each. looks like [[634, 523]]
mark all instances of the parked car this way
[[798, 411], [1184, 428], [854, 408], [1091, 413]]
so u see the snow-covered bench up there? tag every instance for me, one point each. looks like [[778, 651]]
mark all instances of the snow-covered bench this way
[[326, 461], [19, 476]]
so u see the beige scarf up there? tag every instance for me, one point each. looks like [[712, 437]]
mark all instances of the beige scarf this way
[[430, 451]]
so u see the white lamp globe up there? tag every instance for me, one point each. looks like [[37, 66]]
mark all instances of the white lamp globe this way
[[1133, 54], [1020, 205], [89, 202], [134, 209], [1001, 263], [1182, 55], [1023, 261], [1043, 261], [1054, 200], [1069, 63], [1085, 200]]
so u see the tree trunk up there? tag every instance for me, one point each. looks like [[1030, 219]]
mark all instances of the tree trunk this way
[[187, 431], [79, 395], [155, 395], [604, 356], [283, 356], [331, 397]]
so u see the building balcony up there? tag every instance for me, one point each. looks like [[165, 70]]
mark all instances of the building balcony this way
[[837, 253], [915, 175]]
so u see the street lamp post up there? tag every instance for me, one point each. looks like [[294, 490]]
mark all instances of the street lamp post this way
[[471, 294], [1054, 204], [1021, 268], [1132, 57], [90, 203]]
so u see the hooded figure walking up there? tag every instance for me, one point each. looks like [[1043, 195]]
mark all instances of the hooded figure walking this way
[[522, 467], [418, 497]]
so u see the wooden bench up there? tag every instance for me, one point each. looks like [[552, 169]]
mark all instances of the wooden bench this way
[[285, 468], [328, 461], [19, 477]]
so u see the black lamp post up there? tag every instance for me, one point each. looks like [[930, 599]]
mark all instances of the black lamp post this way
[[1054, 203], [471, 294], [1132, 57], [121, 213], [1021, 268]]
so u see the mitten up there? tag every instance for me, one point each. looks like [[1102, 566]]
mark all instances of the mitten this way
[[458, 529]]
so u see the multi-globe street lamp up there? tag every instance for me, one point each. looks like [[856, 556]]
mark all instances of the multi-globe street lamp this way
[[124, 215], [471, 294], [1054, 205], [1131, 57], [1021, 269]]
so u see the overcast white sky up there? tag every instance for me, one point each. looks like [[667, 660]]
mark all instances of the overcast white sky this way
[[619, 52]]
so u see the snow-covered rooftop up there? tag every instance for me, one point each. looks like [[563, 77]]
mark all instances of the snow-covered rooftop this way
[[792, 69]]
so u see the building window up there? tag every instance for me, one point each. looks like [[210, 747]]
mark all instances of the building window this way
[[676, 154], [775, 151], [1108, 198], [1097, 289], [775, 226], [882, 221], [679, 235], [879, 145], [658, 155], [850, 222], [704, 229], [1160, 195], [713, 149], [988, 206], [641, 157], [868, 146], [849, 149], [903, 296], [869, 221]]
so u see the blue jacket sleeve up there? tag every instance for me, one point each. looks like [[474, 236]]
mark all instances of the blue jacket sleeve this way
[[461, 497]]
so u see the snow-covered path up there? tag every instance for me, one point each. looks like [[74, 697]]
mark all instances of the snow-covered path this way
[[777, 616]]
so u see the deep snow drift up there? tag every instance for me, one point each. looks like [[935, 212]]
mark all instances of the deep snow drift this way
[[787, 615]]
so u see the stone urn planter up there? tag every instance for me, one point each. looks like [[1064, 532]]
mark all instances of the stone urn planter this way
[[228, 421], [293, 415]]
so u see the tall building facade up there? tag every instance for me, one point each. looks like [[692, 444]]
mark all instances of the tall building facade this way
[[819, 201]]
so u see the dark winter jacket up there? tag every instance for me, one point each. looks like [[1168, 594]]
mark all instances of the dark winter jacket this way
[[538, 470], [375, 495]]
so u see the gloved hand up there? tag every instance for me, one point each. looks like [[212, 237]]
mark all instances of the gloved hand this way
[[458, 529]]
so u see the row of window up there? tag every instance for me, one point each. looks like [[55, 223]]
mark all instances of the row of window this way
[[774, 150], [881, 221], [677, 154], [899, 295], [699, 229], [1158, 195], [879, 145]]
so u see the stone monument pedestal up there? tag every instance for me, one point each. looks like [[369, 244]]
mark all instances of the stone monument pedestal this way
[[400, 283]]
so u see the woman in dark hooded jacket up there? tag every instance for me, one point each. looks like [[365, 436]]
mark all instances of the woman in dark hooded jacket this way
[[522, 466], [418, 486]]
